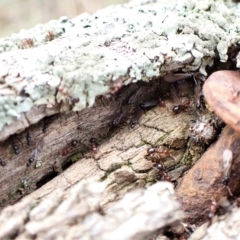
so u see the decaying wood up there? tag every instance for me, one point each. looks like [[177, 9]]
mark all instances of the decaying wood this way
[[79, 215], [116, 153], [85, 74]]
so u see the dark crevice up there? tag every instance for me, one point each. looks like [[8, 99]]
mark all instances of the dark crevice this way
[[46, 178]]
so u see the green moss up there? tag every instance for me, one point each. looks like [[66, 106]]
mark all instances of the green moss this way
[[13, 194], [74, 158], [127, 186], [187, 159], [161, 139], [141, 144], [108, 172]]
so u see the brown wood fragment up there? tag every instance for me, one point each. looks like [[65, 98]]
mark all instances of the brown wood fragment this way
[[205, 181]]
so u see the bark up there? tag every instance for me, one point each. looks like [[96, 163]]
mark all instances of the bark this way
[[79, 215], [68, 82]]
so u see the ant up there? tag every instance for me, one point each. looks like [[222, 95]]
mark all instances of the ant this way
[[161, 103], [137, 94], [213, 210], [27, 43], [160, 152], [120, 118], [50, 35], [74, 100], [69, 147], [227, 167], [179, 108], [31, 159], [2, 163], [160, 167], [198, 95], [28, 139], [144, 106], [15, 148], [93, 145], [66, 151], [136, 116], [35, 152], [74, 143], [149, 104]]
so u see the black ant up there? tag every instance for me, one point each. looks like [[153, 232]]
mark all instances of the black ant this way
[[31, 159], [2, 163], [120, 118], [36, 151], [74, 143], [136, 95], [28, 139], [149, 104], [135, 118], [93, 145], [74, 100], [15, 148]]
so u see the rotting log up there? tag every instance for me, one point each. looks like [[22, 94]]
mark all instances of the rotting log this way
[[46, 88]]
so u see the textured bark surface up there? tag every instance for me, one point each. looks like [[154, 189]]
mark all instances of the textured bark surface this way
[[68, 63], [78, 214], [128, 57]]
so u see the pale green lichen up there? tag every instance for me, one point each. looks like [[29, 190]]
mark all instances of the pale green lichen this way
[[136, 41]]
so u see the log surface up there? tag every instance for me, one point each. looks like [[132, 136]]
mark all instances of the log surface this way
[[71, 71], [68, 63]]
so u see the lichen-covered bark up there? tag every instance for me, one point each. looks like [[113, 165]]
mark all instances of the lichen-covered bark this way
[[76, 74], [136, 41]]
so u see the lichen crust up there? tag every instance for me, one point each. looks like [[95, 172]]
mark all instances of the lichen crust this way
[[81, 58]]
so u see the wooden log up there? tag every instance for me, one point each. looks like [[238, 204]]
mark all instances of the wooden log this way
[[48, 92]]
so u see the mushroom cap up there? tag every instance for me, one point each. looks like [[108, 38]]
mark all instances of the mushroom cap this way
[[222, 93]]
